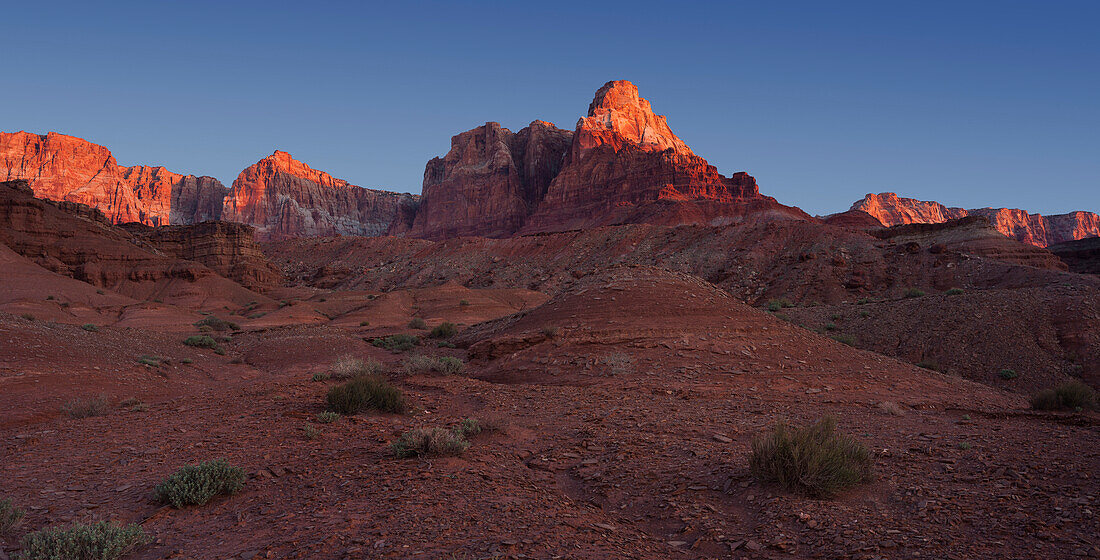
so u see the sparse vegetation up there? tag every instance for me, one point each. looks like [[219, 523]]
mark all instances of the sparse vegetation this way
[[201, 341], [320, 376], [220, 325], [864, 301], [327, 417], [366, 393], [1070, 395], [954, 291], [198, 484], [928, 364], [463, 303], [27, 316], [444, 330], [310, 432], [397, 343], [10, 516], [914, 293], [90, 327], [97, 541], [152, 361], [815, 460], [831, 326], [777, 304], [186, 361], [445, 344], [964, 445], [134, 404], [50, 298], [618, 363], [86, 408], [418, 323], [845, 339], [364, 323], [421, 364], [348, 367], [428, 443], [864, 313], [1008, 374], [550, 331]]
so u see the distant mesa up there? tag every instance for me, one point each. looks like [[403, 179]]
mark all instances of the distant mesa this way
[[1034, 229]]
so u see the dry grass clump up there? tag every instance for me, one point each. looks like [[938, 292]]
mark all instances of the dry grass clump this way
[[420, 364], [444, 330], [814, 460], [216, 324], [430, 443], [10, 516], [86, 408], [371, 392], [418, 323], [349, 367]]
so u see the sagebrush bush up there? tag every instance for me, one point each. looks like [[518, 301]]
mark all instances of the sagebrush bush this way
[[1067, 396], [550, 331], [198, 484], [86, 408], [815, 460], [366, 392], [426, 443], [327, 417], [418, 323], [10, 516], [217, 324], [397, 343], [90, 327], [954, 291], [1008, 374], [845, 339], [444, 330], [201, 341], [914, 293], [420, 364], [777, 304], [97, 541], [153, 361], [348, 367], [463, 303]]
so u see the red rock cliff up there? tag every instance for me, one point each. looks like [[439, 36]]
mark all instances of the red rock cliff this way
[[60, 167], [1035, 229], [285, 198]]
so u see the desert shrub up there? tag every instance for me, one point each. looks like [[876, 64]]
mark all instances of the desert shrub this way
[[50, 298], [1008, 374], [219, 350], [427, 443], [445, 344], [864, 301], [550, 331], [220, 325], [418, 323], [964, 445], [618, 363], [914, 293], [364, 323], [831, 326], [100, 292], [420, 364], [815, 460], [327, 417], [954, 291], [864, 313], [464, 303], [928, 364], [366, 392], [777, 304], [200, 341], [845, 339], [134, 404], [444, 330], [90, 327], [320, 376], [98, 541], [186, 361], [397, 342], [1067, 396], [198, 484], [348, 367], [27, 316], [86, 408], [310, 432], [10, 516]]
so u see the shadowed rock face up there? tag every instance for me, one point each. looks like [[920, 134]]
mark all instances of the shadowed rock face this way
[[60, 167], [284, 198], [1035, 229]]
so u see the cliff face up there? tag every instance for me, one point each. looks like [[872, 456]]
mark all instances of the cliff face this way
[[285, 198], [1034, 229], [60, 167], [490, 180], [622, 164]]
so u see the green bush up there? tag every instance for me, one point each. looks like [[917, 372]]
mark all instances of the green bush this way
[[864, 313], [1067, 396], [198, 484], [363, 393], [1008, 374], [90, 327], [397, 342], [310, 432], [914, 293], [845, 339], [444, 330], [201, 341], [777, 304], [364, 323], [428, 443], [418, 323], [86, 408], [464, 303], [815, 460], [10, 516], [954, 291], [445, 344], [831, 326], [327, 417], [97, 541], [217, 324], [320, 376], [348, 367]]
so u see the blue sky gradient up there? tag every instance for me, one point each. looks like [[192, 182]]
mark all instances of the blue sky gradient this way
[[968, 103]]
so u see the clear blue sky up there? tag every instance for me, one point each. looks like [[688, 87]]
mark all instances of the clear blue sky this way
[[970, 103]]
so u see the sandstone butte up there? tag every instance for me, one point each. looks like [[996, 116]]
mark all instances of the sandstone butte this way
[[1034, 229], [621, 164]]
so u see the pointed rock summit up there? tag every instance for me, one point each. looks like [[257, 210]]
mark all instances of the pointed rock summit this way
[[617, 114]]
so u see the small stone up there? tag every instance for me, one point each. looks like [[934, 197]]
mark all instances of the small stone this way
[[722, 439]]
